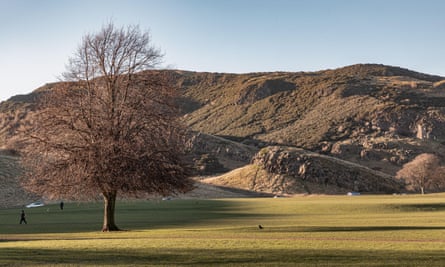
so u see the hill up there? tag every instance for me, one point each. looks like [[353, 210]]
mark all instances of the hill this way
[[304, 109], [374, 116], [287, 170]]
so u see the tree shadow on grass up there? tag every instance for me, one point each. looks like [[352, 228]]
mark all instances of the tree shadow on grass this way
[[185, 213], [130, 215], [420, 207], [374, 228], [324, 229], [216, 257]]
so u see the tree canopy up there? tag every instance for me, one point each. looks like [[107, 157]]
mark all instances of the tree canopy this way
[[111, 129], [422, 173]]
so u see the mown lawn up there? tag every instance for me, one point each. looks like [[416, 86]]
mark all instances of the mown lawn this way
[[301, 231]]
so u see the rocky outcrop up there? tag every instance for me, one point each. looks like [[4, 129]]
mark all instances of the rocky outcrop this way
[[208, 164], [212, 154], [305, 166]]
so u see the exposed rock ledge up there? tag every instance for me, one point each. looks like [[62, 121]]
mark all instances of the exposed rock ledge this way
[[312, 168]]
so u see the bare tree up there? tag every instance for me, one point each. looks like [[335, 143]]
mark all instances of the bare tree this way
[[438, 183], [421, 172], [110, 129]]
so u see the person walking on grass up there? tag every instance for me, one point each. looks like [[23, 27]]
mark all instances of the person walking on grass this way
[[23, 217]]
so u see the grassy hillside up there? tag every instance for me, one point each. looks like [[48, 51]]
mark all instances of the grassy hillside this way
[[375, 115], [300, 109], [305, 108]]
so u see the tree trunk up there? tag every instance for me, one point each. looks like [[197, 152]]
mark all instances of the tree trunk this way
[[109, 207], [421, 190]]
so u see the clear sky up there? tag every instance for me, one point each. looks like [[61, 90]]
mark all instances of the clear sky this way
[[38, 36]]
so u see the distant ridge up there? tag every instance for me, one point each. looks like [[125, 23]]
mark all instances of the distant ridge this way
[[364, 70]]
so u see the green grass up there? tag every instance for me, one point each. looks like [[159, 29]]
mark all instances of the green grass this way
[[300, 231]]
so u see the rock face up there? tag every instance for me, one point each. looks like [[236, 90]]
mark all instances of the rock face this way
[[211, 154], [323, 170], [208, 164]]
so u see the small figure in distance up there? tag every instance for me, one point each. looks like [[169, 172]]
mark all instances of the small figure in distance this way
[[61, 205], [23, 217], [260, 227]]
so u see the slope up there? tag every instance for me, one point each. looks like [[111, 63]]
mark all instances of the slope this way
[[288, 170], [11, 194], [379, 116]]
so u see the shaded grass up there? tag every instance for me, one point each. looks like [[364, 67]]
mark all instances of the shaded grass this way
[[301, 231], [86, 217], [246, 257]]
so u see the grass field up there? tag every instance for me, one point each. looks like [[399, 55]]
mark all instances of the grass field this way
[[301, 231]]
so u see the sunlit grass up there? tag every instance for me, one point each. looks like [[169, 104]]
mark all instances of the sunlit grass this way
[[302, 231]]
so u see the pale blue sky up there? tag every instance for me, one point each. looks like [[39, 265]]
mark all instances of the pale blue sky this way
[[38, 36]]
